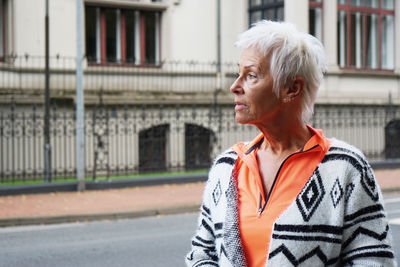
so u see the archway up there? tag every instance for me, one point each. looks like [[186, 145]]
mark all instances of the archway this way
[[198, 147], [392, 139], [152, 148]]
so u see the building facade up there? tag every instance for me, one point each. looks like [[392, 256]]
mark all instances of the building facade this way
[[360, 38], [164, 56]]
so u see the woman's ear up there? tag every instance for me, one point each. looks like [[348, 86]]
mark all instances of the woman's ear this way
[[296, 86], [294, 89]]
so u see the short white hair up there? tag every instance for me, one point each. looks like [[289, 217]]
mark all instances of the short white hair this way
[[291, 54]]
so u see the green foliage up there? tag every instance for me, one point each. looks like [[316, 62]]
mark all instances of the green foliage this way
[[15, 182]]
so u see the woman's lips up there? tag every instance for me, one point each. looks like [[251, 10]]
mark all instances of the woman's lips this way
[[239, 106]]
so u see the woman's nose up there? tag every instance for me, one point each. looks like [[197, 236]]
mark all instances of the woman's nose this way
[[236, 87]]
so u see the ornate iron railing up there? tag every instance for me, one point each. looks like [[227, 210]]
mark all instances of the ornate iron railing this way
[[126, 140]]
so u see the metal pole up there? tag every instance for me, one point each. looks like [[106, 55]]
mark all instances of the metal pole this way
[[219, 37], [47, 145], [80, 108], [219, 68]]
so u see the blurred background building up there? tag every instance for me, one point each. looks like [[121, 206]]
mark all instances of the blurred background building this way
[[157, 77]]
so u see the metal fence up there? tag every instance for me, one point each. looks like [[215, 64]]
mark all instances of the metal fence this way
[[26, 74], [127, 140]]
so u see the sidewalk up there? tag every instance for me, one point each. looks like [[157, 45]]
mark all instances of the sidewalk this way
[[122, 203]]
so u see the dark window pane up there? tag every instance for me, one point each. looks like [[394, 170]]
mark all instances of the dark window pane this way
[[90, 29], [388, 4], [266, 9], [352, 39], [311, 21], [269, 14], [2, 28], [392, 140], [152, 149], [342, 38], [387, 42], [150, 37], [111, 35], [372, 3], [255, 3], [315, 22], [372, 41], [267, 2], [255, 16], [356, 3], [130, 36], [279, 14], [198, 147]]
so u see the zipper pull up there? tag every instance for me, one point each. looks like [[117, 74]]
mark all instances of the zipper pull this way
[[259, 206], [259, 212]]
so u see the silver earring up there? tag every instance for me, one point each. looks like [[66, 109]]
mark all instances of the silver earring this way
[[287, 99]]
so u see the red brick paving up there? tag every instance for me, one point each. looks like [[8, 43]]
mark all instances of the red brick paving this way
[[127, 199], [104, 201]]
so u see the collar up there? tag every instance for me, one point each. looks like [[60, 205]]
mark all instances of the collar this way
[[317, 138]]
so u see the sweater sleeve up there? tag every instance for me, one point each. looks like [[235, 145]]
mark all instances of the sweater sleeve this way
[[366, 233], [203, 251]]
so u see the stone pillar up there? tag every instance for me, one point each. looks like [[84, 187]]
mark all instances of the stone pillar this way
[[296, 12], [135, 150], [329, 32], [176, 145], [397, 38]]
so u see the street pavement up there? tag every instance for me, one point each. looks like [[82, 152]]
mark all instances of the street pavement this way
[[122, 203], [156, 241]]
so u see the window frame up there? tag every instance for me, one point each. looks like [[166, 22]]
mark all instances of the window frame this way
[[316, 5], [3, 30], [140, 35], [264, 7], [364, 11]]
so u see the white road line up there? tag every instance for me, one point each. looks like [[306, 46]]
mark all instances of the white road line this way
[[29, 228], [395, 221], [392, 200]]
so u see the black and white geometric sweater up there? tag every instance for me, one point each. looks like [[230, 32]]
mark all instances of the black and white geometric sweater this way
[[337, 219]]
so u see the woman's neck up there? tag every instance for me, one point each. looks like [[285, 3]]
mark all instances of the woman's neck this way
[[283, 135]]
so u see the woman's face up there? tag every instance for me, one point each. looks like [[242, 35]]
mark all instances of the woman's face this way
[[255, 102]]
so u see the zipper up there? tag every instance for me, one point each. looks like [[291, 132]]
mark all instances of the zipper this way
[[261, 207]]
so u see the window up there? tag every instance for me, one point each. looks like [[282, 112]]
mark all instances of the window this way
[[122, 36], [265, 9], [3, 17], [315, 18], [366, 34]]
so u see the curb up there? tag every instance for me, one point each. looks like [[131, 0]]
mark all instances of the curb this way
[[101, 185], [385, 164], [73, 218], [390, 190]]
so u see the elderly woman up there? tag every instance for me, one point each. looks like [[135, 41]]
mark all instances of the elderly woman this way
[[290, 197]]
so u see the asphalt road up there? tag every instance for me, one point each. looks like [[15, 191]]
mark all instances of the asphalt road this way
[[392, 206], [151, 241]]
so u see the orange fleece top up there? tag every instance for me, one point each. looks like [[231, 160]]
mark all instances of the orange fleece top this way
[[257, 212]]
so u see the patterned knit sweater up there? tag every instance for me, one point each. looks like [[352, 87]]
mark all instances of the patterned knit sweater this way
[[338, 218]]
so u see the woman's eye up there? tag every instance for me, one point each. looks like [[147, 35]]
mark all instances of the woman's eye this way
[[252, 76]]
